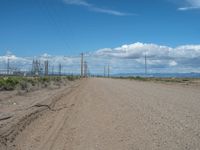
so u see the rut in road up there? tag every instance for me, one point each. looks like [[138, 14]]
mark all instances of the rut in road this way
[[112, 114]]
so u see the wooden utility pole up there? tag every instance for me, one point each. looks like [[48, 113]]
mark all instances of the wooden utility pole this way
[[104, 71], [145, 64], [108, 70], [81, 64], [46, 67], [52, 70], [85, 69], [8, 66], [60, 68]]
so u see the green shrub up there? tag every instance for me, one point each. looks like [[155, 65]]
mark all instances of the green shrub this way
[[25, 83], [8, 83]]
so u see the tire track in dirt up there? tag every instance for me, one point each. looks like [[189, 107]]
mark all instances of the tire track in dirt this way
[[28, 116]]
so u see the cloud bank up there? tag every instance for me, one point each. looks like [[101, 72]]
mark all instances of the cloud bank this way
[[184, 58], [127, 58], [95, 8], [153, 51]]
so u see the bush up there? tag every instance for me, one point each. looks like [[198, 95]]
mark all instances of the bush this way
[[8, 83], [25, 83]]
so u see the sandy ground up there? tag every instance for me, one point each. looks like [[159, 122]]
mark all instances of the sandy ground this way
[[18, 108], [113, 114]]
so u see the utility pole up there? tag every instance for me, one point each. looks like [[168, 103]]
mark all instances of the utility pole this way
[[88, 72], [46, 67], [104, 71], [81, 64], [52, 70], [85, 69], [60, 68], [145, 64], [8, 66], [108, 71], [37, 68]]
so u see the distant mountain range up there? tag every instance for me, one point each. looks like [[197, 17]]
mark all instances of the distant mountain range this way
[[161, 75]]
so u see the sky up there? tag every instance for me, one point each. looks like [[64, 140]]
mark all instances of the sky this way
[[115, 32]]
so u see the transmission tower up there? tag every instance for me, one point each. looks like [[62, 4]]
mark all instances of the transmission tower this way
[[36, 67]]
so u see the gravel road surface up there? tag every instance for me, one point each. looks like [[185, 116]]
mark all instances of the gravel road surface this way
[[114, 114]]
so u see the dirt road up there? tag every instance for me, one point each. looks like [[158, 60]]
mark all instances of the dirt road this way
[[112, 114]]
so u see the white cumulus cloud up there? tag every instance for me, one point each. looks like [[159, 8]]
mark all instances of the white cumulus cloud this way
[[137, 50], [158, 56]]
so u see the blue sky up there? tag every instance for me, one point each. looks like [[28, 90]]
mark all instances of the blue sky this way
[[69, 27], [33, 27]]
